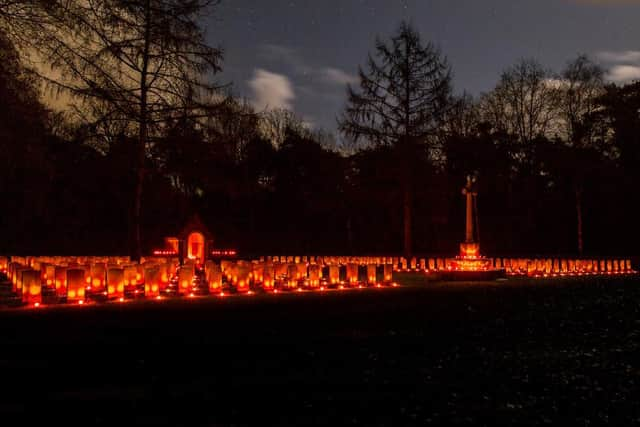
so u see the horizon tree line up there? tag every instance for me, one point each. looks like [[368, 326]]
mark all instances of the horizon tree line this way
[[149, 115]]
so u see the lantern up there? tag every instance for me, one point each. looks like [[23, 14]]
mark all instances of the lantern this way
[[334, 274], [314, 276], [244, 277], [17, 278], [352, 273], [302, 271], [387, 273], [47, 274], [115, 282], [31, 287], [280, 270], [292, 272], [185, 276], [268, 277], [214, 276], [60, 281], [152, 281], [98, 277], [371, 274], [165, 275], [75, 284]]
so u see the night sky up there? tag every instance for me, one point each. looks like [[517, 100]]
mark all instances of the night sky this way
[[300, 54]]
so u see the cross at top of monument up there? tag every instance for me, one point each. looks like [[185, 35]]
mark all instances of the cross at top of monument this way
[[470, 188]]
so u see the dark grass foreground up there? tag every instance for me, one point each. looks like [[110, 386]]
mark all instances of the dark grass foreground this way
[[523, 353]]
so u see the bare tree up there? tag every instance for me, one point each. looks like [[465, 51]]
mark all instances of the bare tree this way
[[275, 124], [402, 99], [463, 116], [524, 103], [143, 61], [581, 86], [22, 20]]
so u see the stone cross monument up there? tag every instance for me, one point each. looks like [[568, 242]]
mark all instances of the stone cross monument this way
[[470, 248]]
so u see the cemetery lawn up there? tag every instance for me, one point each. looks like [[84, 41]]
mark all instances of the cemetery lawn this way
[[519, 352]]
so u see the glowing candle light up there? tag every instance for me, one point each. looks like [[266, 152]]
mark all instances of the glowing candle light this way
[[371, 274], [115, 282], [151, 281], [314, 276], [388, 272], [185, 276], [60, 281], [352, 273], [334, 274], [98, 277], [292, 273], [268, 281], [243, 280], [75, 284], [31, 287]]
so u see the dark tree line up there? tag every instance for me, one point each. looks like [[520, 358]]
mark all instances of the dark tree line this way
[[556, 154]]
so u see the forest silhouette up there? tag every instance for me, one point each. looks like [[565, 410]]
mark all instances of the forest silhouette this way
[[556, 153]]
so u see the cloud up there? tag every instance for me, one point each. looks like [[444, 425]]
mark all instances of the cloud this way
[[624, 73], [337, 76], [626, 56], [271, 90], [622, 66], [299, 66]]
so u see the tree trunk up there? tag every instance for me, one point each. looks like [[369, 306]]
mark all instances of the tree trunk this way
[[407, 160], [406, 204], [579, 220], [136, 250]]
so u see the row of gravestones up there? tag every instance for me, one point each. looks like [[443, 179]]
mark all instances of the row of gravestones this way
[[73, 279], [515, 266], [35, 280]]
